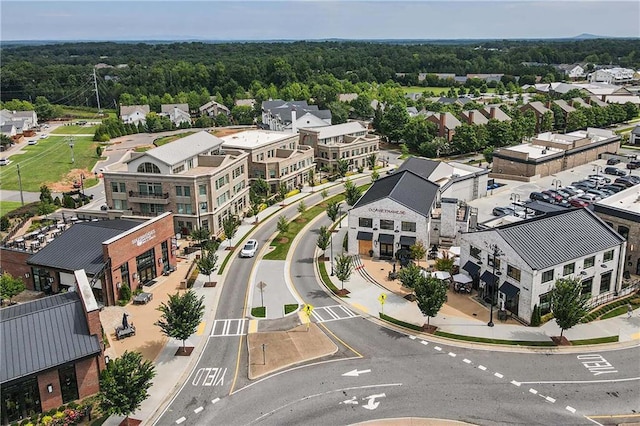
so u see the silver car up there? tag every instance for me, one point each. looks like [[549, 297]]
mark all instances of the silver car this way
[[249, 249]]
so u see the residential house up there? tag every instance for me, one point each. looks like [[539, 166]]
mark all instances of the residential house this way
[[276, 157], [22, 120], [602, 90], [572, 71], [446, 124], [565, 107], [621, 212], [462, 100], [520, 262], [487, 78], [539, 110], [594, 100], [634, 136], [281, 116], [549, 153], [623, 99], [134, 114], [493, 112], [8, 130], [193, 177], [213, 109], [473, 116], [51, 352], [579, 102], [612, 75], [245, 102], [350, 141], [177, 113]]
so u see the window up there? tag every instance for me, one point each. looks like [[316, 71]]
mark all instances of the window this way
[[409, 226], [120, 204], [490, 261], [586, 286], [547, 276], [238, 171], [569, 269], [148, 168], [222, 199], [202, 189], [545, 303], [184, 208], [475, 252], [605, 282], [178, 169], [222, 181], [68, 383], [386, 224], [608, 255], [204, 206], [365, 222], [623, 231], [183, 191], [513, 272], [589, 262], [152, 208], [150, 188], [118, 187]]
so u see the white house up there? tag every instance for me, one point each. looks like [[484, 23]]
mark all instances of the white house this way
[[177, 113], [290, 116], [573, 71], [634, 136], [532, 254], [213, 108], [612, 75], [134, 114], [21, 120]]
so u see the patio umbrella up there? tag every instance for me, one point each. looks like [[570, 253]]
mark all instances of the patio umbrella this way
[[454, 251], [125, 322], [462, 278], [442, 275], [456, 262]]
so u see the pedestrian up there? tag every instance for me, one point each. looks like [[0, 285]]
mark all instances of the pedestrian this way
[[629, 310]]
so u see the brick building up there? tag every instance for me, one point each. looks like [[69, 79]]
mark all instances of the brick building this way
[[51, 352]]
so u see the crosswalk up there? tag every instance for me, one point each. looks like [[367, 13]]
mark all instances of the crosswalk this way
[[332, 313], [229, 327]]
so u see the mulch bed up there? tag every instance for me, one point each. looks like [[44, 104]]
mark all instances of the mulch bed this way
[[230, 248], [210, 283], [131, 422], [429, 329], [186, 352], [410, 297], [283, 240], [343, 292], [301, 220], [561, 341]]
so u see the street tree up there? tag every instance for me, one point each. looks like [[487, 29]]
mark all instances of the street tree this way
[[342, 167], [375, 176], [302, 207], [351, 193], [324, 239], [230, 226], [344, 268], [181, 315], [10, 286], [45, 194], [207, 262], [333, 210], [324, 194], [567, 303], [409, 276], [124, 384], [200, 234], [431, 294], [418, 251], [372, 159], [282, 225]]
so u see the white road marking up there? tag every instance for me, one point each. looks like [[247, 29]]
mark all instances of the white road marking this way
[[573, 382], [569, 408], [548, 398], [424, 342], [513, 382], [373, 404], [482, 367], [226, 327], [437, 348], [197, 410], [213, 401], [533, 391], [498, 375], [412, 337], [355, 373], [180, 420], [334, 313], [451, 354]]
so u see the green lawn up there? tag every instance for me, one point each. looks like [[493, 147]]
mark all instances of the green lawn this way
[[75, 130], [7, 206], [47, 162], [90, 114], [437, 90], [166, 139]]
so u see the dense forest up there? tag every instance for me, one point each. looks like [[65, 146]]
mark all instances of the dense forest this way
[[63, 73]]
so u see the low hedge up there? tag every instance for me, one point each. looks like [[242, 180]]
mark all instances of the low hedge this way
[[633, 300], [400, 323]]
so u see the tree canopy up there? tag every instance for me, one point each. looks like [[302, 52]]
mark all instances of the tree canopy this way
[[181, 315]]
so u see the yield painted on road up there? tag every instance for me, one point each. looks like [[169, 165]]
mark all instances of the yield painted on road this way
[[229, 327], [209, 377], [332, 313], [596, 364]]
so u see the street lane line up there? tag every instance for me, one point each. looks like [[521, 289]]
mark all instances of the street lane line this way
[[437, 348], [424, 342], [569, 408], [466, 361], [451, 354], [533, 391], [498, 375], [548, 398], [197, 410], [513, 382], [572, 382], [482, 367], [213, 401], [412, 337], [180, 420]]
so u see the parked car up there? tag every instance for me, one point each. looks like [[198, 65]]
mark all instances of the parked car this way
[[577, 202], [588, 183], [599, 178], [633, 165], [539, 196], [570, 193], [612, 161], [633, 178], [249, 249], [625, 182], [553, 195], [4, 161], [608, 192], [612, 187], [44, 136], [33, 142], [614, 171], [599, 194], [578, 191], [589, 198]]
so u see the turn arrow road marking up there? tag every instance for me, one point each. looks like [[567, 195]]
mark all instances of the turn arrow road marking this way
[[356, 373]]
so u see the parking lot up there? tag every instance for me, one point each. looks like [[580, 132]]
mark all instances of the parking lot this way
[[502, 197]]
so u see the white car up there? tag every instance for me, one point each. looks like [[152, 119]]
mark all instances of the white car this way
[[44, 136], [249, 249], [33, 142], [4, 161]]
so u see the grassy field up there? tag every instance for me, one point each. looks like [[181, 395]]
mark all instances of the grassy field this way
[[166, 139], [47, 162], [75, 130], [7, 206], [81, 113], [436, 90]]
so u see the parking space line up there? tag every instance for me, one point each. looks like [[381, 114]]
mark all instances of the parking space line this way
[[180, 420], [466, 361], [498, 375], [437, 348], [424, 342], [571, 409], [197, 410], [213, 401], [533, 391], [482, 367], [513, 382]]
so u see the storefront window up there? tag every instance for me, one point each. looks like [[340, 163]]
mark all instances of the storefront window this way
[[409, 226], [365, 222], [545, 303], [68, 383], [386, 224], [146, 266], [20, 400]]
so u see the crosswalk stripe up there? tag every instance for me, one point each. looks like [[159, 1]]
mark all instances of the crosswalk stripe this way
[[229, 327], [332, 313]]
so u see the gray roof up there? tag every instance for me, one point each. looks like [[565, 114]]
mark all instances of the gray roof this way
[[537, 106], [184, 148], [403, 187], [559, 237], [636, 130], [168, 108], [43, 334], [268, 105], [423, 167], [564, 105], [130, 109], [80, 247]]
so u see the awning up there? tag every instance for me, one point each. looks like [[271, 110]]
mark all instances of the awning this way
[[488, 278], [364, 236], [407, 241], [509, 290], [441, 275], [471, 268], [385, 238], [454, 251], [461, 278]]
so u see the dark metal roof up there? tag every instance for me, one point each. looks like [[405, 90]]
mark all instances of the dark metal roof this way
[[488, 278], [509, 289], [558, 237], [403, 187], [364, 236], [471, 268], [423, 167], [80, 247], [43, 334], [385, 238], [542, 207]]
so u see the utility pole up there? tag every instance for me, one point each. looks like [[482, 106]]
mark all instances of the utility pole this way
[[95, 85], [20, 185]]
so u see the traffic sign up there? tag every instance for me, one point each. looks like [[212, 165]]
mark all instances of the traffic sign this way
[[382, 298]]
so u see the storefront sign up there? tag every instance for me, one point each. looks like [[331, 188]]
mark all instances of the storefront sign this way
[[387, 211], [144, 238]]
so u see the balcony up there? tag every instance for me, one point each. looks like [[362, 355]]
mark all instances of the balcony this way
[[143, 197]]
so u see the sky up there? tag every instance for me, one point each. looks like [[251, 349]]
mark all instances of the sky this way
[[308, 20]]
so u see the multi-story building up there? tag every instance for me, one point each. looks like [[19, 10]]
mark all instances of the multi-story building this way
[[350, 141], [612, 75], [193, 177], [283, 116], [275, 157]]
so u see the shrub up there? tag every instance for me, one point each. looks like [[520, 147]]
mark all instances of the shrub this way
[[546, 318], [58, 415], [46, 420], [535, 316], [125, 293]]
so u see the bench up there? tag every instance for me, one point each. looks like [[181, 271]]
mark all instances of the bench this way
[[122, 332]]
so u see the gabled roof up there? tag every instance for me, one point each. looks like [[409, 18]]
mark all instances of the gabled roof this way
[[559, 237], [499, 114], [422, 167], [564, 106], [636, 130], [211, 104], [580, 102], [185, 148], [478, 117], [340, 129], [80, 247], [536, 106], [450, 120], [44, 334], [168, 108], [405, 188], [131, 109], [597, 101], [278, 103]]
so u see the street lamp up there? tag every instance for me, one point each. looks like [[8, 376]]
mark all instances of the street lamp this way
[[73, 160], [516, 199], [331, 237], [82, 183], [496, 253], [557, 183], [597, 169]]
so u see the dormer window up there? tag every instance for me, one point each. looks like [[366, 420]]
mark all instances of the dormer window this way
[[148, 168]]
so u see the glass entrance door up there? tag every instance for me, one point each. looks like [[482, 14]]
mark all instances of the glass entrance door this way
[[386, 250]]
